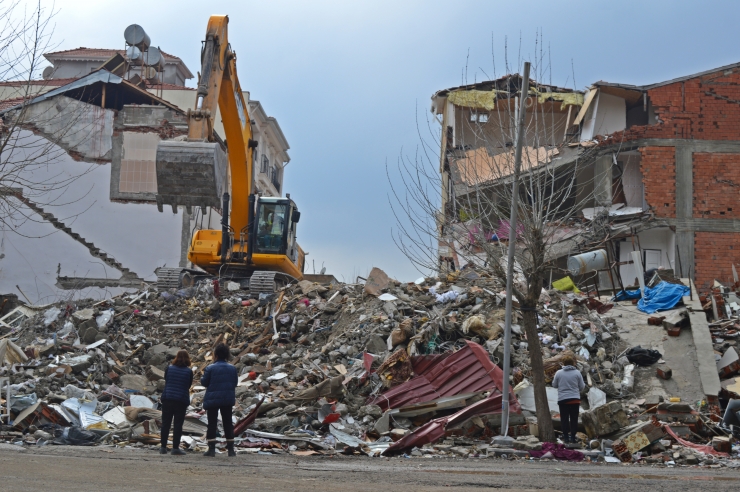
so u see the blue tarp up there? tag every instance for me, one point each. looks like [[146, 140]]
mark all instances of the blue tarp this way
[[662, 297], [627, 295]]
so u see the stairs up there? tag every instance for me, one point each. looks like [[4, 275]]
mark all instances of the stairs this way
[[94, 250]]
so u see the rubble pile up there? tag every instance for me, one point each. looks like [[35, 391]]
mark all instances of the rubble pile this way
[[373, 368]]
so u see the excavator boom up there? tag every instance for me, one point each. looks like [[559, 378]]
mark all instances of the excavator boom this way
[[258, 235]]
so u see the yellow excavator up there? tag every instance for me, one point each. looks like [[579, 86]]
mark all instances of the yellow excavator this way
[[257, 241]]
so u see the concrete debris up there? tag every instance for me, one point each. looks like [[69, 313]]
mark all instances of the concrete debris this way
[[380, 368]]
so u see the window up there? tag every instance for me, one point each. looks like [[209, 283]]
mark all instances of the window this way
[[478, 117], [272, 219], [265, 164], [275, 178]]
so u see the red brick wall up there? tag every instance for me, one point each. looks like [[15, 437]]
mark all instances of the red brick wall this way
[[658, 166], [716, 186], [706, 108], [714, 254]]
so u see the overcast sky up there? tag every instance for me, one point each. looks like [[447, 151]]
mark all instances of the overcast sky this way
[[345, 79]]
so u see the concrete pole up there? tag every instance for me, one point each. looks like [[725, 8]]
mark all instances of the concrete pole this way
[[512, 247]]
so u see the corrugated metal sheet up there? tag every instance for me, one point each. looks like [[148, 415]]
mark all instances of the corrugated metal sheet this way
[[436, 429], [466, 371]]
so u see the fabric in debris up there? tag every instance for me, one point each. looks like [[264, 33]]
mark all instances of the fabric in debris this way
[[643, 357], [565, 284], [662, 297], [558, 451]]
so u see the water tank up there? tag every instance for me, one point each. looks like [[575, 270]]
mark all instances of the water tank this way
[[134, 55], [150, 74], [136, 36], [588, 262], [47, 73], [153, 58]]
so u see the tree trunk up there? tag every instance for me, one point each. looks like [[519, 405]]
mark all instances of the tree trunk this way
[[544, 419]]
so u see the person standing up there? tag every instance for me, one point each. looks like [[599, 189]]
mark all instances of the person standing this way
[[178, 378], [220, 379], [569, 384]]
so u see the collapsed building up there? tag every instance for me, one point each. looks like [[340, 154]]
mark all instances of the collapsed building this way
[[99, 115], [657, 159]]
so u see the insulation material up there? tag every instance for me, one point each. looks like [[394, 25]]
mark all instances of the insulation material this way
[[11, 353], [474, 99]]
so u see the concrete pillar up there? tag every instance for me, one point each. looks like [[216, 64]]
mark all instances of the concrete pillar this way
[[184, 238], [684, 208], [603, 181]]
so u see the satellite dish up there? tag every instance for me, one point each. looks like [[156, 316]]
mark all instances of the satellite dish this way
[[47, 73]]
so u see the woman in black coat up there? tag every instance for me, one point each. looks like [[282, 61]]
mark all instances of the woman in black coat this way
[[220, 380], [178, 379]]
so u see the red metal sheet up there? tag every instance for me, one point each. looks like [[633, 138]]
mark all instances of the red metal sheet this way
[[435, 429], [466, 371]]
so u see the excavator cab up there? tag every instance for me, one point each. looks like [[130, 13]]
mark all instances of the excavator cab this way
[[276, 227]]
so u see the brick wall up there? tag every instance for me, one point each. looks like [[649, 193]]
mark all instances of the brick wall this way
[[716, 185], [714, 253], [658, 166], [705, 108]]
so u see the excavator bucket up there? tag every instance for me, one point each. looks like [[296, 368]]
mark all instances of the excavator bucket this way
[[191, 174]]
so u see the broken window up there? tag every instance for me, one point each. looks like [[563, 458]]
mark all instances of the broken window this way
[[138, 163], [478, 117]]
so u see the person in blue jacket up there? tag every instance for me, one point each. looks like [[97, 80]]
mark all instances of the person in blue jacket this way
[[178, 378], [220, 380]]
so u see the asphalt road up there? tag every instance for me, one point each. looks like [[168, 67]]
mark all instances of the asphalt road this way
[[61, 468]]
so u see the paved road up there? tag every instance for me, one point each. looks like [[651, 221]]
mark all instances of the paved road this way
[[63, 468]]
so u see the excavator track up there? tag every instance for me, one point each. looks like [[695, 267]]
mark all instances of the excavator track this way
[[260, 282]]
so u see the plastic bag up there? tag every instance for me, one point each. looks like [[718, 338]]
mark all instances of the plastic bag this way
[[104, 318], [77, 436], [66, 330], [51, 315], [643, 357], [18, 403], [75, 392]]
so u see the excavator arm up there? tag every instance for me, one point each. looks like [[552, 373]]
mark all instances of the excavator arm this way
[[258, 235]]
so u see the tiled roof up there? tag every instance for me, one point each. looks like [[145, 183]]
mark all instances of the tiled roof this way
[[50, 82], [9, 103], [61, 82], [83, 52]]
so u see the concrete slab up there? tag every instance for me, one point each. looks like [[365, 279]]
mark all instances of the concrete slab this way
[[703, 342], [678, 352]]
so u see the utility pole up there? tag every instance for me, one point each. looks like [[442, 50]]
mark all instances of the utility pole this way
[[510, 257]]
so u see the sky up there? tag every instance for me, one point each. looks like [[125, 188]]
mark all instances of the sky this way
[[349, 80]]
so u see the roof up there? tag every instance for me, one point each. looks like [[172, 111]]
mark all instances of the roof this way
[[85, 89], [485, 95], [642, 88], [49, 82], [61, 82], [83, 53], [9, 103], [102, 53]]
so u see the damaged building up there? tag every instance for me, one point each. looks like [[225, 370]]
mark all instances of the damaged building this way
[[99, 114], [657, 159]]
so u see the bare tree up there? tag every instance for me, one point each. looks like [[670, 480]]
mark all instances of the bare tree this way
[[452, 208], [31, 136]]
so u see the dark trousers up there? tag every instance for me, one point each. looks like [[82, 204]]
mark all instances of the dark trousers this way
[[569, 418], [213, 422], [170, 409]]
